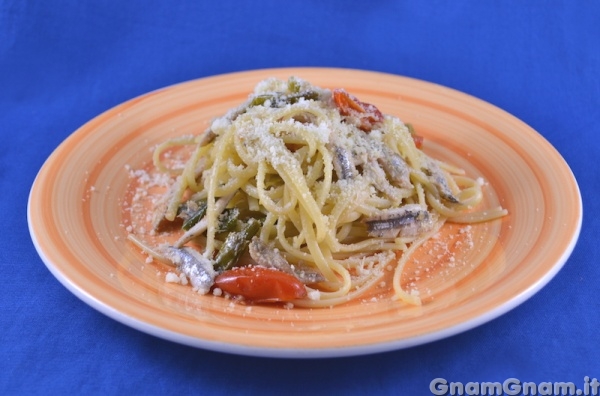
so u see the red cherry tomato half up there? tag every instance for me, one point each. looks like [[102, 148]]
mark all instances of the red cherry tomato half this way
[[418, 141], [367, 114], [260, 284]]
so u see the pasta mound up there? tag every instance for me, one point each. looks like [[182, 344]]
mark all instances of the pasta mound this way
[[315, 183]]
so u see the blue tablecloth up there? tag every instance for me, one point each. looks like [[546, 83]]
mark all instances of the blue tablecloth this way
[[66, 61]]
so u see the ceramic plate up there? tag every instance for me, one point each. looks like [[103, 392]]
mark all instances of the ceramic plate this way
[[466, 276]]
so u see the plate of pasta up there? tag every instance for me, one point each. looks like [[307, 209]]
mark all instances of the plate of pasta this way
[[304, 212]]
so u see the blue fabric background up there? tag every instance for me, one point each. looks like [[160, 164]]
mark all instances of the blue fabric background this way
[[64, 62]]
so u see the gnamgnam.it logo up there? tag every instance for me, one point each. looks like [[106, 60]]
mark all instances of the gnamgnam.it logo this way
[[513, 387]]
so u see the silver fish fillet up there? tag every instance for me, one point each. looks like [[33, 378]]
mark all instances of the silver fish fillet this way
[[269, 257], [407, 221], [192, 264]]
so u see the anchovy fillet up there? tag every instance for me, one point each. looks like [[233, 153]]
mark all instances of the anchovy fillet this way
[[408, 221], [269, 257], [342, 163], [396, 168], [197, 268], [437, 178]]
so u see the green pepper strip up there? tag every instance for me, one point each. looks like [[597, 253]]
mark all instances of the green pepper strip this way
[[293, 85], [235, 244], [307, 95], [279, 100], [228, 220], [261, 99], [195, 216]]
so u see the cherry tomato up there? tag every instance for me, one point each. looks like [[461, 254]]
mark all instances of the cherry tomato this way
[[260, 284], [418, 141], [367, 115]]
